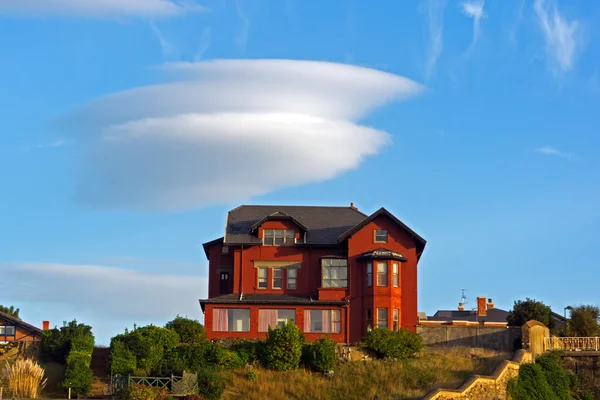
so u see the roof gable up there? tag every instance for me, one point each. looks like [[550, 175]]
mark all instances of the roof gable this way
[[420, 242], [19, 323], [278, 216]]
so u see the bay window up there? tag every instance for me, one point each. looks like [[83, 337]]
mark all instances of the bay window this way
[[382, 318], [382, 274], [395, 274]]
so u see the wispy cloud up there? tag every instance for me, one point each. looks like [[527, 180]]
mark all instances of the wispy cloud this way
[[512, 33], [168, 49], [98, 8], [110, 298], [435, 20], [554, 152], [205, 42], [227, 122], [560, 36], [474, 9], [242, 38], [41, 145]]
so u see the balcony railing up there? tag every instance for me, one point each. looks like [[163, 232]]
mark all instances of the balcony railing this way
[[572, 343]]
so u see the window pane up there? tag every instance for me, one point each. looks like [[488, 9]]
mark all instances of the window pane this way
[[279, 233], [262, 278], [326, 272], [334, 283], [395, 268], [278, 241], [334, 272], [316, 321], [326, 262], [343, 263], [381, 267], [268, 233], [343, 283], [285, 315], [381, 236], [343, 272], [239, 320], [277, 278], [382, 318], [292, 272], [369, 268], [325, 282], [290, 234]]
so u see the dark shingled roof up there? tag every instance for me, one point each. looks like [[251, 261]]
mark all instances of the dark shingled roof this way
[[324, 225], [280, 299], [493, 315]]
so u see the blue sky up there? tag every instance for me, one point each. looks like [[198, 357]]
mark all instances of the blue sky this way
[[129, 128]]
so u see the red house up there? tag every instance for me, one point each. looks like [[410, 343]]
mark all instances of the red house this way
[[331, 270]]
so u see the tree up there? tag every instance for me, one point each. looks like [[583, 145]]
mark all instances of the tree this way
[[190, 331], [283, 347], [585, 321], [12, 311], [529, 309]]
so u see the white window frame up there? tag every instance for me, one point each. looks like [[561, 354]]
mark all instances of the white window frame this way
[[292, 278], [5, 328], [378, 234], [270, 237], [328, 265], [382, 277], [379, 313], [395, 274], [277, 271], [261, 279]]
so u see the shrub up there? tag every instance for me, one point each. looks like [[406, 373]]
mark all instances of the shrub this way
[[78, 376], [320, 355], [190, 331], [24, 378], [556, 376], [283, 347], [210, 384], [56, 343], [122, 360], [220, 357], [248, 350], [401, 344], [530, 384], [252, 375]]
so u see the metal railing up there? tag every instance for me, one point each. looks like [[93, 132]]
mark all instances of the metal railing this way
[[572, 343]]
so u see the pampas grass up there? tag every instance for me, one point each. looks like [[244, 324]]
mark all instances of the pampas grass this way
[[24, 378]]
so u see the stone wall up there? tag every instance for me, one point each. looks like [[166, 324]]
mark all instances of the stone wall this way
[[485, 387], [488, 337]]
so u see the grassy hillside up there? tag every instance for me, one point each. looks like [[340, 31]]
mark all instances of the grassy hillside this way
[[366, 379]]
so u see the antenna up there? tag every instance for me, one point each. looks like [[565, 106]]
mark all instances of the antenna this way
[[463, 298]]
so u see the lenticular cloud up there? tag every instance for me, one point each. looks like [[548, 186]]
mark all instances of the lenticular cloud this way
[[227, 130]]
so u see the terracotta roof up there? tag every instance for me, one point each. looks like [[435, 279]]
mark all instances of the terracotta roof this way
[[20, 323], [280, 299]]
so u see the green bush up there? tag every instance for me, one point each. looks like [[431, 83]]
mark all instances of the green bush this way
[[122, 360], [283, 347], [402, 344], [249, 351], [221, 357], [78, 375], [320, 355], [210, 384], [556, 376], [190, 331], [252, 375], [531, 384], [56, 343]]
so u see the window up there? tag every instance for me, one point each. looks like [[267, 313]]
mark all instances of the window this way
[[395, 274], [231, 319], [382, 274], [272, 318], [369, 320], [323, 321], [381, 236], [279, 237], [335, 273], [7, 331], [395, 319], [382, 318], [277, 278], [369, 274], [262, 278], [292, 274], [225, 250]]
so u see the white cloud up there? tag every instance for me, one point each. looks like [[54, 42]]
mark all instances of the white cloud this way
[[97, 8], [435, 20], [227, 130], [108, 298], [474, 9], [552, 151], [559, 34]]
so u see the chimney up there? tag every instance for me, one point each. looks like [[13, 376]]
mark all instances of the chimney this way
[[490, 304], [45, 325], [481, 310], [461, 307], [353, 207]]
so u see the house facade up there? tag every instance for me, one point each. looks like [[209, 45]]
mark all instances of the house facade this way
[[332, 270], [14, 330]]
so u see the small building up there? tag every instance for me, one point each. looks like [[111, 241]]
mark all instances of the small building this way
[[332, 270], [14, 330]]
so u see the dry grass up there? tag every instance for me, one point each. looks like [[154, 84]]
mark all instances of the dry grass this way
[[367, 379], [24, 378]]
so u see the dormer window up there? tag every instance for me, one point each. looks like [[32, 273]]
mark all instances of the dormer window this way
[[279, 237], [225, 250], [381, 236]]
